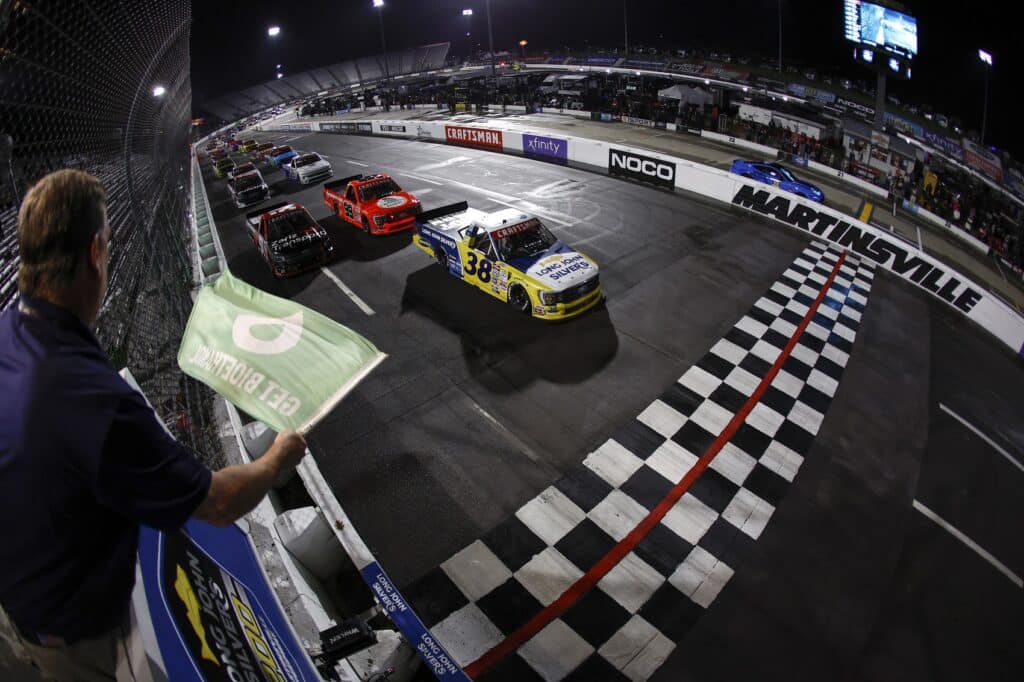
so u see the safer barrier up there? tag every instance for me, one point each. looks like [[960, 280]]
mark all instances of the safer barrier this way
[[885, 249]]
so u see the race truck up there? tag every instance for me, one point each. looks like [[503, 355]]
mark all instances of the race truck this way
[[512, 256], [288, 239], [773, 173], [307, 168], [247, 146], [279, 155], [248, 189], [241, 169], [223, 166], [261, 151], [218, 154], [374, 203]]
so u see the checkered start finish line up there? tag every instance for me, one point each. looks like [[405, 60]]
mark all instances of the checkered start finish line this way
[[599, 576]]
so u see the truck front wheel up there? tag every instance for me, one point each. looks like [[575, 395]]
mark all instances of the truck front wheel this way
[[519, 299]]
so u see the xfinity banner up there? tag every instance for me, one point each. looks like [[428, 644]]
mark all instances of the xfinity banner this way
[[644, 168], [278, 361], [546, 148], [951, 147], [213, 613]]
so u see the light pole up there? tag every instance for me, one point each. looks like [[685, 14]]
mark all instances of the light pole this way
[[468, 13], [523, 44], [987, 59], [379, 4], [780, 36], [273, 32], [490, 36], [625, 27]]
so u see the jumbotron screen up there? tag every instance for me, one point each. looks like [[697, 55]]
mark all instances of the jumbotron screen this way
[[880, 27]]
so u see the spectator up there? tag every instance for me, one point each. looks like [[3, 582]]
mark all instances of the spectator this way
[[84, 458]]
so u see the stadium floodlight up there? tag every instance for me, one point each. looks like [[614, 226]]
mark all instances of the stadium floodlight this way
[[159, 91], [273, 31], [280, 75], [378, 3], [467, 12], [985, 57]]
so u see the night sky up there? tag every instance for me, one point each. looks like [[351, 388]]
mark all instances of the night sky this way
[[231, 50]]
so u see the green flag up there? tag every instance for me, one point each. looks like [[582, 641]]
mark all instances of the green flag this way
[[281, 362]]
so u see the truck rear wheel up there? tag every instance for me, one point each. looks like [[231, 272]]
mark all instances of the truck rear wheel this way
[[441, 257]]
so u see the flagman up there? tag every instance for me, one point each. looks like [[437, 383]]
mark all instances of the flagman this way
[[83, 459]]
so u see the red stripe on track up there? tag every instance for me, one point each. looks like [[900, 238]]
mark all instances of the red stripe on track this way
[[589, 579]]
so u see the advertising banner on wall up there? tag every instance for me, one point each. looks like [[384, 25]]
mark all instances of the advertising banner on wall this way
[[951, 147], [982, 160], [214, 615], [628, 164], [546, 148], [335, 127], [473, 137], [889, 252]]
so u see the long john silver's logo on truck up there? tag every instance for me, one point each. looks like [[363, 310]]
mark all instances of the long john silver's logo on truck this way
[[643, 168]]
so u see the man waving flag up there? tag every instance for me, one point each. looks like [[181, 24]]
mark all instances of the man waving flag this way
[[280, 362]]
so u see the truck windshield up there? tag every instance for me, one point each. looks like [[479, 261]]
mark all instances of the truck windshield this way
[[245, 182], [304, 160], [378, 189], [523, 239], [287, 224]]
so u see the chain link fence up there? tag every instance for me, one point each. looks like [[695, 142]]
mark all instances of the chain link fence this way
[[103, 86]]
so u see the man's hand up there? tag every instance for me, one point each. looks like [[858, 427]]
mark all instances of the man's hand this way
[[236, 489], [289, 447]]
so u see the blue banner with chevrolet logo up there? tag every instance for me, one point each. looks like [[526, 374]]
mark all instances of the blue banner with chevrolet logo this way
[[214, 615]]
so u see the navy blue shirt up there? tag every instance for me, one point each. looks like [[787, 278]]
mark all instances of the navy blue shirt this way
[[83, 462]]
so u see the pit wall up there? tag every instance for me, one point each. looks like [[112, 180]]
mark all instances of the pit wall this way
[[672, 173]]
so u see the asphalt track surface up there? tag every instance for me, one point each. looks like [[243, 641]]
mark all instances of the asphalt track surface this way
[[478, 409]]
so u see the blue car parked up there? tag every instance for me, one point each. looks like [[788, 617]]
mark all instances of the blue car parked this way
[[772, 173], [279, 155]]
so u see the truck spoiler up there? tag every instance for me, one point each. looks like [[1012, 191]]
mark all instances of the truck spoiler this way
[[442, 211], [257, 214], [341, 183]]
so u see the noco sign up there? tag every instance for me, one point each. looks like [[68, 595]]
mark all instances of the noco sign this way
[[644, 168]]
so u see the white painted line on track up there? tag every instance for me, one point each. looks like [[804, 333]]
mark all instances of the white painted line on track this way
[[442, 164], [978, 549], [1000, 268], [347, 291], [356, 163], [511, 202], [970, 427], [920, 245], [418, 177]]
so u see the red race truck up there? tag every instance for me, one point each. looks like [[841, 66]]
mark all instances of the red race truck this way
[[373, 203]]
